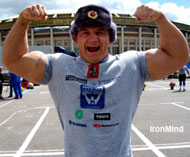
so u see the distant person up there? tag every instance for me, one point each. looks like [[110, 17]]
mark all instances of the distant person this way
[[59, 49], [182, 77], [1, 82], [10, 87], [15, 82], [11, 90]]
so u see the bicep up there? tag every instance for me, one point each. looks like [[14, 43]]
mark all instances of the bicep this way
[[160, 64], [31, 66]]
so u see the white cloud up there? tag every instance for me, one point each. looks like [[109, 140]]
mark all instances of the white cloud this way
[[128, 6], [180, 14], [175, 13], [125, 6], [154, 5]]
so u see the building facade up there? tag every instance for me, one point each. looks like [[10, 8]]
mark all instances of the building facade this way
[[131, 35]]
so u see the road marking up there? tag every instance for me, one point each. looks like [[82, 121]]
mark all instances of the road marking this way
[[33, 92], [163, 146], [31, 135], [56, 152], [36, 154], [53, 152], [148, 142], [177, 104], [180, 106], [6, 103], [158, 86], [11, 100], [147, 89], [10, 117]]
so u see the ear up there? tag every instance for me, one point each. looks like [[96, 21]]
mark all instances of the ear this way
[[75, 39]]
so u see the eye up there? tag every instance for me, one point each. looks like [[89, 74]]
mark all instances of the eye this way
[[100, 33], [85, 33]]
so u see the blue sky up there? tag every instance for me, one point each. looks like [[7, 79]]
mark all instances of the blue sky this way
[[175, 10], [178, 2]]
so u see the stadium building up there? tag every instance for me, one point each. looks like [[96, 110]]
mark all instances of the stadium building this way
[[131, 35]]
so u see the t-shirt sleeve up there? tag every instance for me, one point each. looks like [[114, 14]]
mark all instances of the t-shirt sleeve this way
[[143, 66], [48, 70]]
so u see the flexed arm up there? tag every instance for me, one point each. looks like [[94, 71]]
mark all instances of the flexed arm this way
[[15, 54], [173, 52]]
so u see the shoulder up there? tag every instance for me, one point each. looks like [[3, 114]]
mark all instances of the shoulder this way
[[132, 54], [59, 57], [132, 57]]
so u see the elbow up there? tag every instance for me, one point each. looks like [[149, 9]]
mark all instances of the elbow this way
[[183, 55], [4, 60], [184, 58], [187, 56], [6, 64]]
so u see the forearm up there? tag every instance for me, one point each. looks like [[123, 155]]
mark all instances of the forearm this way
[[173, 51], [15, 56], [16, 42], [172, 41]]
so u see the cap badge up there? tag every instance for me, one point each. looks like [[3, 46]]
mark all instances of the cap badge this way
[[92, 14]]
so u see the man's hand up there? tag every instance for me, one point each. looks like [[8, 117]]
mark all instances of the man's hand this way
[[30, 66], [144, 13], [34, 12], [173, 51]]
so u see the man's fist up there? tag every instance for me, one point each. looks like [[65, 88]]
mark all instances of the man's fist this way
[[144, 13], [34, 12]]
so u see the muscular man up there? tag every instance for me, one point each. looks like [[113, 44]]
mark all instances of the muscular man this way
[[96, 94]]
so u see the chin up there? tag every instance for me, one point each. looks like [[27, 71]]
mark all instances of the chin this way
[[94, 61]]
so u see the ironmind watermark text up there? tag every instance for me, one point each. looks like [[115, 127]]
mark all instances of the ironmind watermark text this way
[[167, 129]]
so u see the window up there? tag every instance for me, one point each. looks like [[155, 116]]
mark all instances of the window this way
[[39, 43], [131, 48], [58, 43], [115, 50], [131, 29], [148, 30], [125, 49], [67, 43], [47, 42], [132, 43]]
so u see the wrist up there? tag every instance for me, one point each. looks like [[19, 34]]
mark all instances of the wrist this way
[[160, 18], [23, 20]]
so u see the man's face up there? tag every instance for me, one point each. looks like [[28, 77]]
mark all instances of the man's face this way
[[93, 44]]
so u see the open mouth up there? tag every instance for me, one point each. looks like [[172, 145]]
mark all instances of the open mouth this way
[[93, 48]]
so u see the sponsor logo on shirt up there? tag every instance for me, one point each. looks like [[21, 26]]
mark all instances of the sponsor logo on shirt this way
[[93, 71], [102, 116], [77, 124], [92, 97], [74, 78], [105, 125], [79, 114]]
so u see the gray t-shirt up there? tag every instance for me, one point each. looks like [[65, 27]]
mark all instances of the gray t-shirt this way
[[96, 103]]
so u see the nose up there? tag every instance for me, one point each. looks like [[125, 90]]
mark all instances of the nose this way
[[93, 37]]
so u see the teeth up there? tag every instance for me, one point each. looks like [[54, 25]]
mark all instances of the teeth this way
[[93, 48]]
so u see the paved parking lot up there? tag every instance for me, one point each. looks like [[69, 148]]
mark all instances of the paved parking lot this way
[[30, 126]]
